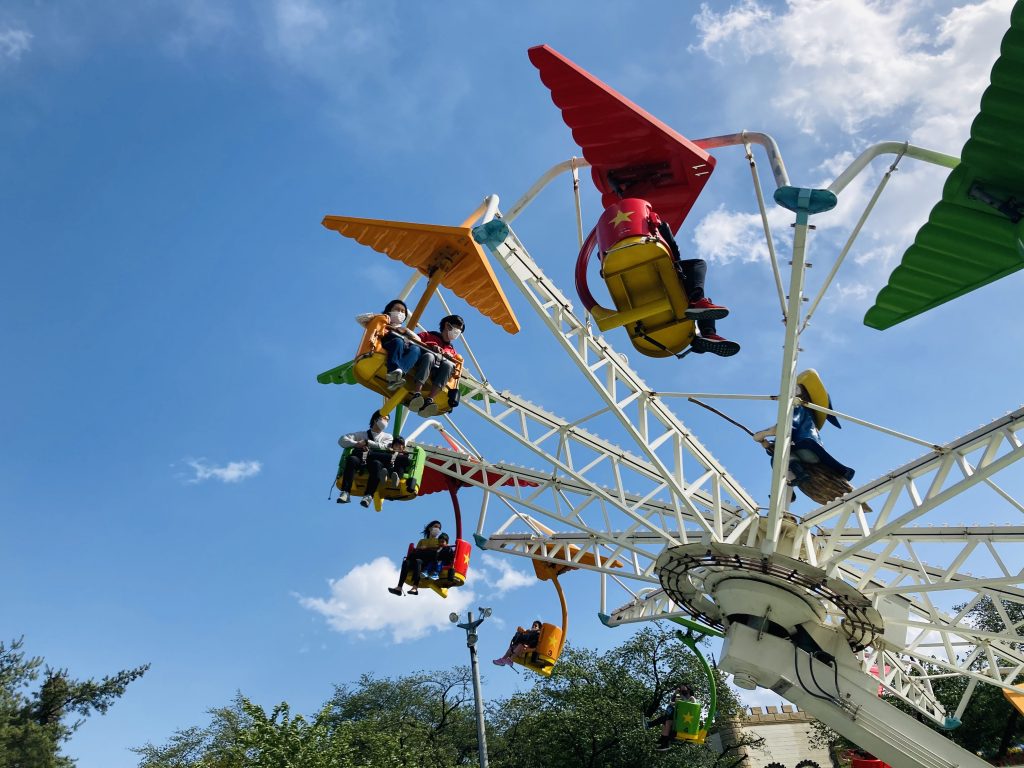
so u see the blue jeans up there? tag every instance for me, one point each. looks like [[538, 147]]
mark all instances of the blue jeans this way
[[400, 353]]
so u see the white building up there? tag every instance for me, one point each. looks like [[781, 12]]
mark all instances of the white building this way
[[786, 739]]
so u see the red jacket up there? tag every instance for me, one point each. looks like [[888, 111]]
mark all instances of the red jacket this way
[[434, 339]]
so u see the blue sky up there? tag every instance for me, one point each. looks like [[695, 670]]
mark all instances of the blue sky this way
[[169, 296]]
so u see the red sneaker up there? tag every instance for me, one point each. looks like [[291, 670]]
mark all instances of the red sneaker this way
[[704, 309], [715, 344]]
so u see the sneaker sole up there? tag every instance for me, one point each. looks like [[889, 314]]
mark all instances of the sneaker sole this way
[[707, 314], [720, 348]]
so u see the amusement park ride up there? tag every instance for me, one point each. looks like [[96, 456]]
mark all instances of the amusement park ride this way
[[809, 606]]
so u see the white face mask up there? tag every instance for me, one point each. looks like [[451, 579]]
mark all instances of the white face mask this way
[[380, 425], [452, 334], [397, 316], [435, 532]]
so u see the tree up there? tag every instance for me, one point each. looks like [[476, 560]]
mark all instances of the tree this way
[[991, 725], [34, 724], [430, 715], [417, 721], [591, 712]]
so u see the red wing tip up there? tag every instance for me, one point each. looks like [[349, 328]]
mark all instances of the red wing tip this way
[[537, 52]]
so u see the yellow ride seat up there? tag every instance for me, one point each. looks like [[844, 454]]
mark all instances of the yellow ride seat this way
[[453, 574], [543, 657], [408, 483], [642, 278], [370, 369]]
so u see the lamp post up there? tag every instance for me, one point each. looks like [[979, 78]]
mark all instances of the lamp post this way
[[470, 626]]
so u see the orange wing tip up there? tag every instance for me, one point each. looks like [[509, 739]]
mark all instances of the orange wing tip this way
[[424, 247]]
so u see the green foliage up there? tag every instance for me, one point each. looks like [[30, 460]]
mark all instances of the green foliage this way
[[34, 724], [417, 721], [431, 716], [589, 713]]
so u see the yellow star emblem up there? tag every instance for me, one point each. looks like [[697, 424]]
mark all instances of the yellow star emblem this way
[[465, 561], [622, 216], [688, 718]]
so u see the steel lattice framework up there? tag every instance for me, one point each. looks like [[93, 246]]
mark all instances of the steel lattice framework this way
[[614, 511]]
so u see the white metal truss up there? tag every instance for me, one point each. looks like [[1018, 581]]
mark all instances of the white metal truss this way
[[570, 503], [859, 547], [696, 507], [679, 459], [898, 498], [617, 510]]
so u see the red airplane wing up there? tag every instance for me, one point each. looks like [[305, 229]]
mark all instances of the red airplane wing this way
[[628, 149]]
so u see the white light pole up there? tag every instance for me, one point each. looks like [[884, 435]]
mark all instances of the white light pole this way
[[470, 627]]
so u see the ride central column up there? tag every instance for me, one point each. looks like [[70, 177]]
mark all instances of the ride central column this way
[[804, 202]]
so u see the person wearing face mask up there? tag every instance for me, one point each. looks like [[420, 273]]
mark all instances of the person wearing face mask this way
[[436, 363], [364, 444], [400, 343], [422, 557]]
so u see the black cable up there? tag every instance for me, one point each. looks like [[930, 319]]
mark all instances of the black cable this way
[[815, 679], [835, 674], [796, 666]]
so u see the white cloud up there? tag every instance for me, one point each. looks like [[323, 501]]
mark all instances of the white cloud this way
[[855, 292], [232, 472], [358, 603], [507, 578], [724, 236], [13, 43], [849, 62], [852, 72], [744, 25]]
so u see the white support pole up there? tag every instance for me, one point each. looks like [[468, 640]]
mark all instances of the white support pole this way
[[772, 257], [548, 176], [751, 137], [574, 162], [726, 140], [779, 499], [849, 242], [890, 148], [409, 285], [840, 415]]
